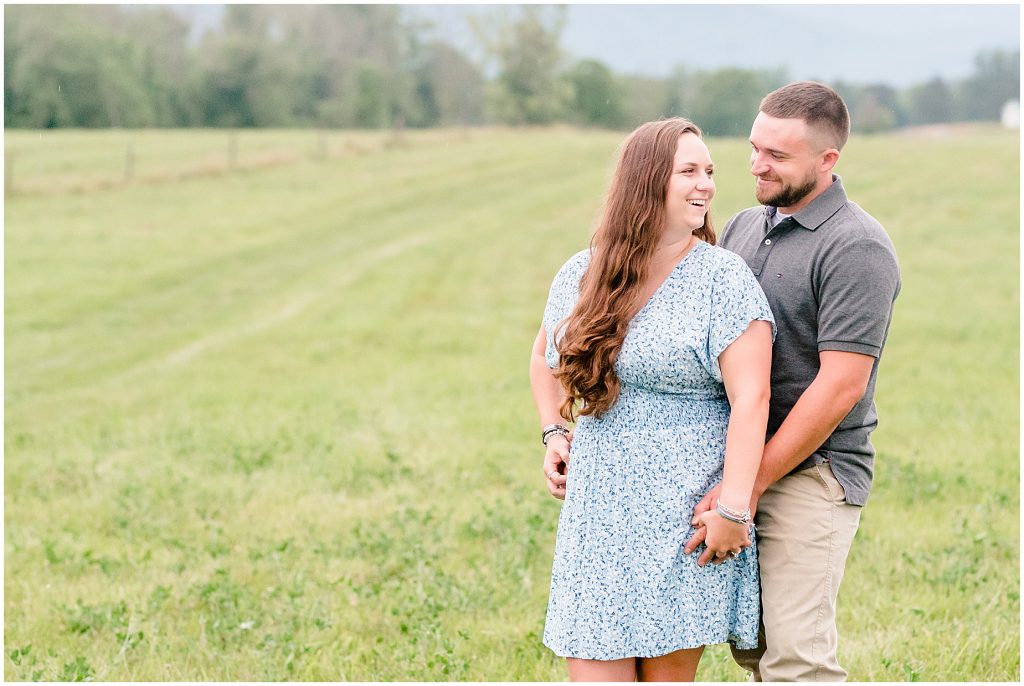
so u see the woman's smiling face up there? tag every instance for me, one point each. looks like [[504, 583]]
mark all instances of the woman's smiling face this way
[[691, 187]]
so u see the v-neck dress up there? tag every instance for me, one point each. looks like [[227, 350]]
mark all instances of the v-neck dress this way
[[621, 585]]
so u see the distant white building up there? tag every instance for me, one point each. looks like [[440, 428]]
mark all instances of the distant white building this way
[[1010, 115]]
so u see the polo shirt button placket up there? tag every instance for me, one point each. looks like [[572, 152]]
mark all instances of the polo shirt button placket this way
[[761, 256]]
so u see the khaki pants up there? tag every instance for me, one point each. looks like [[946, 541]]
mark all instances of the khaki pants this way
[[804, 531]]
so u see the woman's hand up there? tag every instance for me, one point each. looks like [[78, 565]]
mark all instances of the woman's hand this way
[[556, 465], [707, 504], [724, 538]]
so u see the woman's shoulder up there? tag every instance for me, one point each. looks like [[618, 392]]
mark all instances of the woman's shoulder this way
[[574, 267], [722, 260], [579, 260]]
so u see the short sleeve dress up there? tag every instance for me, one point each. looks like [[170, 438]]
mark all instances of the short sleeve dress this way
[[621, 585]]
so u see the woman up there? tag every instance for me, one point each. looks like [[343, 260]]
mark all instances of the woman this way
[[649, 337]]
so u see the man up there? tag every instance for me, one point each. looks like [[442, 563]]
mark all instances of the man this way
[[831, 276]]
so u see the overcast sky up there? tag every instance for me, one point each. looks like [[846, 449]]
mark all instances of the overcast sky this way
[[899, 45], [895, 44]]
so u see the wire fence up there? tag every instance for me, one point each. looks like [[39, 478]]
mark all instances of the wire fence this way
[[80, 161]]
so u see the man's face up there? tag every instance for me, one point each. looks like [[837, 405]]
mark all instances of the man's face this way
[[784, 157]]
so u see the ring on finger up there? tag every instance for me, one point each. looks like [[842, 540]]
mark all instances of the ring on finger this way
[[552, 473]]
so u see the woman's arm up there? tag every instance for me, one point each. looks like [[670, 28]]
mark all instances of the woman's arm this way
[[746, 372], [548, 395]]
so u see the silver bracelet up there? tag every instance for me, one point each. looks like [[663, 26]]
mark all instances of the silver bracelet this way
[[732, 515], [550, 429]]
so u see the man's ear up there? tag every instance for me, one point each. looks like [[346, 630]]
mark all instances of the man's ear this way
[[828, 160]]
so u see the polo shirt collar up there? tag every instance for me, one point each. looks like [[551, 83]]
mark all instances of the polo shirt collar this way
[[821, 208]]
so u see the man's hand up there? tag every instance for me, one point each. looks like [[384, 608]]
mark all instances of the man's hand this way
[[707, 504], [724, 539], [556, 465]]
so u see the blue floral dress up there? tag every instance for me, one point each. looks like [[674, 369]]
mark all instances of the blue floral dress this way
[[621, 585]]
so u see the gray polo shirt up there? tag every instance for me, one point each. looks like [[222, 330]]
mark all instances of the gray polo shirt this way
[[831, 276]]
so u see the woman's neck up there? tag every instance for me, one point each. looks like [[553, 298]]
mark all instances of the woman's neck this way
[[675, 245]]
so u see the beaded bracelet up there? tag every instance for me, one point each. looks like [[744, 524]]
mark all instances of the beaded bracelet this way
[[550, 429], [732, 515]]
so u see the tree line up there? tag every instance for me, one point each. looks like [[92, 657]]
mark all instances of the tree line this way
[[373, 66]]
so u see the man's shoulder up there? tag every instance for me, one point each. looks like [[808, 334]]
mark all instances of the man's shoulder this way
[[752, 216], [859, 225], [742, 223]]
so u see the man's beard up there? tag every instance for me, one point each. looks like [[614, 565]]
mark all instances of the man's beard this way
[[788, 195]]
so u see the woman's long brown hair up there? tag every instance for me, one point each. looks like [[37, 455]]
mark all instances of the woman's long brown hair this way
[[620, 255]]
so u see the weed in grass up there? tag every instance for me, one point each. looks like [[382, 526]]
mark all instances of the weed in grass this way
[[76, 670], [50, 551], [249, 459], [158, 598], [94, 618], [105, 563], [19, 654], [228, 609]]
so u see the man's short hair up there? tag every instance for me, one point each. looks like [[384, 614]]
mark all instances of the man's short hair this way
[[815, 103]]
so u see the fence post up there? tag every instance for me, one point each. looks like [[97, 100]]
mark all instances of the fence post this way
[[232, 149], [321, 144], [397, 129], [129, 162]]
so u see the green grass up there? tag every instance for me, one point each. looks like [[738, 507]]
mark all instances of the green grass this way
[[275, 424]]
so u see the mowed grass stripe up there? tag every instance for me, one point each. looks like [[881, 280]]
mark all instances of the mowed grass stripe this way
[[270, 267], [238, 199], [224, 214]]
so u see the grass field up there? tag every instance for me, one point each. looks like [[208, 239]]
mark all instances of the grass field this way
[[274, 423]]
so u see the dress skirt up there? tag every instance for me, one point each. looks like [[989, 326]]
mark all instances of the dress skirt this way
[[621, 584]]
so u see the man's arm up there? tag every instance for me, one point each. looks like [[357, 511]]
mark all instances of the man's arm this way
[[858, 286], [840, 383]]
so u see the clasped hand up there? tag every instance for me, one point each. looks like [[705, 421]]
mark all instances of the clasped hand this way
[[556, 465], [724, 539]]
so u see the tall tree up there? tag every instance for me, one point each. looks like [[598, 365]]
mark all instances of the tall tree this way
[[351, 50], [724, 102], [251, 78], [644, 99], [930, 102], [871, 116], [877, 109], [995, 80], [449, 87], [164, 62], [597, 98], [528, 89], [676, 92], [67, 65]]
